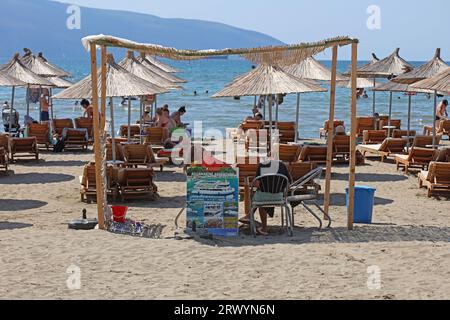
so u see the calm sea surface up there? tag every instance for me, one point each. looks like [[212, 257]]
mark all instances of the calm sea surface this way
[[213, 75]]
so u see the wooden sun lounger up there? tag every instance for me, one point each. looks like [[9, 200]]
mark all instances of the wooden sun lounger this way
[[397, 133], [341, 147], [374, 136], [365, 123], [394, 123], [424, 141], [119, 152], [444, 128], [298, 170], [286, 131], [60, 124], [287, 153], [323, 132], [137, 184], [315, 154], [3, 159], [76, 139], [4, 143], [155, 136], [23, 147], [142, 155], [256, 140], [41, 133], [417, 158], [247, 172], [436, 179], [135, 130], [88, 188], [389, 147], [88, 124]]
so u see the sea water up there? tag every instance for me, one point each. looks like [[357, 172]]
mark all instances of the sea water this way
[[210, 76]]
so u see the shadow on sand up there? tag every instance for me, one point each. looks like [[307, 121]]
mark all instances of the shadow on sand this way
[[19, 205], [361, 234], [170, 176], [36, 178], [371, 177], [4, 225], [340, 200], [63, 163]]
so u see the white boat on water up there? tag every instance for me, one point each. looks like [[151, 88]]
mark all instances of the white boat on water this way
[[212, 188]]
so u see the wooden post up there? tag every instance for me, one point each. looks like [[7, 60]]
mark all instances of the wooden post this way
[[352, 173], [434, 119], [97, 133], [103, 97], [330, 131], [297, 119]]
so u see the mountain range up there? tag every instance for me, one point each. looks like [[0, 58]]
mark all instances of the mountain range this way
[[41, 25]]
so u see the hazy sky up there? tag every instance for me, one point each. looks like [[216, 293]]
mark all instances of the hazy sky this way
[[417, 26]]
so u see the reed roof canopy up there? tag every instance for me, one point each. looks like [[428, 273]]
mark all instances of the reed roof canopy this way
[[360, 83], [312, 69], [267, 80], [156, 70], [428, 70], [119, 83], [8, 81], [134, 66], [393, 65], [161, 65], [440, 82], [18, 70], [271, 55], [40, 65], [399, 87]]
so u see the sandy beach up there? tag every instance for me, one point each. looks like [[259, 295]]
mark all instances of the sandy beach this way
[[408, 242]]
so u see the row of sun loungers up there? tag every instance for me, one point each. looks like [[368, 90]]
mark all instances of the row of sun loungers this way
[[19, 147], [135, 155], [126, 183]]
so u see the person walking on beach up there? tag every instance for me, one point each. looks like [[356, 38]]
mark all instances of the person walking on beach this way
[[88, 110]]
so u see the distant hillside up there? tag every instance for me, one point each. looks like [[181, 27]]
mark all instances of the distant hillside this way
[[41, 26]]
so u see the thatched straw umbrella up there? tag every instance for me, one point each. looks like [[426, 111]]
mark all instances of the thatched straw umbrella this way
[[119, 83], [398, 87], [360, 83], [388, 67], [161, 65], [312, 69], [428, 70], [18, 70], [41, 66], [438, 83], [8, 81], [132, 65], [267, 81], [148, 64]]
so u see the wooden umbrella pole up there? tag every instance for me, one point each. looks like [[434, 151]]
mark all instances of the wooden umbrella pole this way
[[297, 118], [330, 130], [434, 119], [28, 100], [129, 119], [11, 109], [103, 98], [141, 119], [374, 97], [270, 121], [97, 134], [409, 118], [351, 187], [113, 132], [390, 113]]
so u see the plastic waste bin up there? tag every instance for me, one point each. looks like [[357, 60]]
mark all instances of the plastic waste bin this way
[[364, 202]]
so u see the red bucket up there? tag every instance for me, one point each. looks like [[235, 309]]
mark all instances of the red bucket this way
[[119, 213]]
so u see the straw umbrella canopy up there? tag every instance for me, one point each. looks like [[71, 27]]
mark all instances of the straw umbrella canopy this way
[[266, 81], [41, 66], [149, 65], [360, 83], [18, 70], [438, 83], [398, 87], [8, 81], [119, 83], [311, 69], [428, 70], [134, 66], [389, 67], [161, 65]]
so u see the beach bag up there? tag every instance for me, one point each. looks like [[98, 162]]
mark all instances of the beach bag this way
[[59, 146]]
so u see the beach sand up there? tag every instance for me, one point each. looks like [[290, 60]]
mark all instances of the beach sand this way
[[408, 242]]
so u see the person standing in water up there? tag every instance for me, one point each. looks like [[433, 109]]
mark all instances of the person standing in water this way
[[441, 112]]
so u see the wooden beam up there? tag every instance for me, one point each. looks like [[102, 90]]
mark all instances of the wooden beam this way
[[97, 135], [330, 131], [352, 173], [103, 97]]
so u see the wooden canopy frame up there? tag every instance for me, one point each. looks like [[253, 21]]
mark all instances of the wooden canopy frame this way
[[281, 55]]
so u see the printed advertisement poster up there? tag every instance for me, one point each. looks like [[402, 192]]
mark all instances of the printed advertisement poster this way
[[213, 200]]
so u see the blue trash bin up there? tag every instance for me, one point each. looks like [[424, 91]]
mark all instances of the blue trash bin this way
[[364, 202]]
